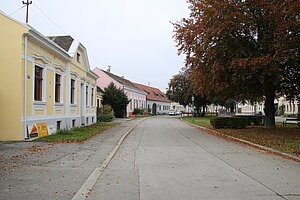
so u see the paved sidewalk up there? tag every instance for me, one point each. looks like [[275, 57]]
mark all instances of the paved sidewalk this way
[[39, 170]]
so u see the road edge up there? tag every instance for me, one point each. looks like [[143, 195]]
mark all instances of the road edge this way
[[86, 188], [245, 142]]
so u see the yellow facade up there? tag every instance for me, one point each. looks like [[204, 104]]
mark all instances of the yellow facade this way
[[23, 49], [11, 86]]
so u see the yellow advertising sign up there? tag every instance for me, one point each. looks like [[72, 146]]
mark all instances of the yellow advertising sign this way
[[42, 129]]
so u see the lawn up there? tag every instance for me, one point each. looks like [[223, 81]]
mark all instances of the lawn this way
[[200, 121], [284, 139], [78, 134]]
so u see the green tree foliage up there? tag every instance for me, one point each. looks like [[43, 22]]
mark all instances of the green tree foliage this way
[[116, 98], [180, 89], [244, 50]]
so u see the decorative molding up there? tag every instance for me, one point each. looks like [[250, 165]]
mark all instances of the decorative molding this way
[[38, 105], [37, 57], [59, 67], [40, 52], [83, 79], [74, 73], [73, 107]]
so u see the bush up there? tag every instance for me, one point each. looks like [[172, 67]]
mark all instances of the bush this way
[[229, 122], [136, 111], [105, 117], [253, 120], [106, 114]]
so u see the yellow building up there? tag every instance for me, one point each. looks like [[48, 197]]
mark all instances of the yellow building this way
[[44, 80]]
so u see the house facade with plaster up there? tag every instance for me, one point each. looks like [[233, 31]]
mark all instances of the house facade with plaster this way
[[46, 80], [136, 96]]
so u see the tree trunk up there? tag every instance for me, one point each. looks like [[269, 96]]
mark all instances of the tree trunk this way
[[270, 109], [203, 114]]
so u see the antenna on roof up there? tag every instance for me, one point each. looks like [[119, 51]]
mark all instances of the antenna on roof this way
[[149, 83], [27, 9], [109, 68]]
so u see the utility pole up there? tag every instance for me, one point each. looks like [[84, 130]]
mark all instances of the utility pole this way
[[27, 9]]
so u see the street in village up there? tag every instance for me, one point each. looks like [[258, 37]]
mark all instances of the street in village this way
[[161, 158]]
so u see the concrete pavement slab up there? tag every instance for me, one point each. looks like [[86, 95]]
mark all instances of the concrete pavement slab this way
[[38, 170], [176, 161]]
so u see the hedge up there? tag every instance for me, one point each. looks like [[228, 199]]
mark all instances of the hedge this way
[[229, 122], [105, 117], [257, 120]]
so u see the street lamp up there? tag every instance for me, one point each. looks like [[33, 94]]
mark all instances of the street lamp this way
[[193, 98]]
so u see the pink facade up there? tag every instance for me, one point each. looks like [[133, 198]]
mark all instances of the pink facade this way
[[105, 80], [136, 96]]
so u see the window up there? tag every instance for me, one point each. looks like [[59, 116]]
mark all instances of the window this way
[[130, 103], [73, 123], [92, 97], [87, 121], [92, 119], [72, 91], [57, 88], [38, 83], [98, 103], [58, 125], [86, 95], [78, 57]]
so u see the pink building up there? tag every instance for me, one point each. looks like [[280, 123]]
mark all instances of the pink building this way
[[136, 96]]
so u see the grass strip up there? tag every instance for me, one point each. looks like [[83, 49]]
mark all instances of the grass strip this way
[[284, 139], [77, 134]]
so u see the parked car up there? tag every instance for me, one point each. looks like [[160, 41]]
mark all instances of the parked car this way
[[172, 112], [178, 112]]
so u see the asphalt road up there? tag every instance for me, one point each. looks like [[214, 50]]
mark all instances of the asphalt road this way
[[162, 158]]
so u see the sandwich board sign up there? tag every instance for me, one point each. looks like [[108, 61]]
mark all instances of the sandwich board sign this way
[[38, 130]]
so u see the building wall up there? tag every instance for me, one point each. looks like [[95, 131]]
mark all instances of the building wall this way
[[105, 80], [161, 106], [11, 81], [39, 52], [137, 98]]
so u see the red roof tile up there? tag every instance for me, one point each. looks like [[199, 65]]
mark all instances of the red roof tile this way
[[153, 94]]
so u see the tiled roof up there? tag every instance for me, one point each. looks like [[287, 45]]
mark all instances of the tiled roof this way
[[64, 42], [121, 80], [153, 94], [99, 90]]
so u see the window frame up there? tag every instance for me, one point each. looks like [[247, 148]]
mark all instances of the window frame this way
[[72, 91], [58, 88], [78, 57], [86, 95], [92, 97], [38, 96]]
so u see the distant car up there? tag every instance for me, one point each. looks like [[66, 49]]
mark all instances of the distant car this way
[[172, 112], [178, 112], [258, 113]]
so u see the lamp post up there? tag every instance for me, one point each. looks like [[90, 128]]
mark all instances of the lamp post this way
[[193, 98]]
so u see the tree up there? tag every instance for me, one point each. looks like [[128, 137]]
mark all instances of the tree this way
[[116, 98], [180, 89], [241, 49]]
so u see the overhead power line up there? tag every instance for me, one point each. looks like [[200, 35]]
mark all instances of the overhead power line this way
[[16, 11], [57, 26]]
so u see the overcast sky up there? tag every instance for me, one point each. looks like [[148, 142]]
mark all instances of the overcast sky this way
[[133, 36]]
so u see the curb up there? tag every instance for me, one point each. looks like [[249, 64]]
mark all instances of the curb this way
[[86, 188], [245, 142]]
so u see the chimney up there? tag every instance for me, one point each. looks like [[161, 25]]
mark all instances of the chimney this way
[[122, 76], [109, 68]]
